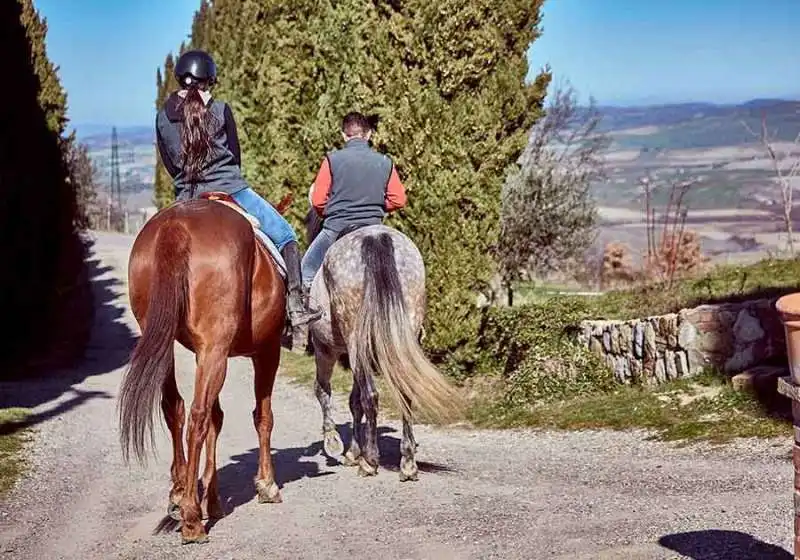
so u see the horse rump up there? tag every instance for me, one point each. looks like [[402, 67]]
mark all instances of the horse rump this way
[[386, 342]]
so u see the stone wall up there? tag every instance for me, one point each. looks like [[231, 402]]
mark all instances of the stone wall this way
[[730, 337]]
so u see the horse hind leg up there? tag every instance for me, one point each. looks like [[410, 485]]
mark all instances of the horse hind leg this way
[[211, 371], [353, 454], [175, 415], [332, 442], [211, 505], [408, 448], [370, 456], [265, 365]]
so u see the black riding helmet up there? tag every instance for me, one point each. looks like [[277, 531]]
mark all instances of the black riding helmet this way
[[195, 66]]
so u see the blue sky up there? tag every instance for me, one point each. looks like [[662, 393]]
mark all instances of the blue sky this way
[[640, 51], [619, 51]]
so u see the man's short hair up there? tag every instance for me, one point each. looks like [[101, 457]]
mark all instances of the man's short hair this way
[[355, 124]]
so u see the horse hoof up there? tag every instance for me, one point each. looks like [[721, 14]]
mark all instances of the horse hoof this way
[[268, 492], [200, 539], [350, 460], [410, 476], [174, 512], [408, 470], [365, 469], [332, 443]]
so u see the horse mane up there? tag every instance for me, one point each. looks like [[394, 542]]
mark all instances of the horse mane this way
[[313, 223]]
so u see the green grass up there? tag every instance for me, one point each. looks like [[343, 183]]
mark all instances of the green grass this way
[[703, 408], [530, 293], [301, 370], [723, 283], [12, 460], [532, 336]]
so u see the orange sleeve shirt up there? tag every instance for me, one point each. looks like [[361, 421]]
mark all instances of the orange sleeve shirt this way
[[395, 191]]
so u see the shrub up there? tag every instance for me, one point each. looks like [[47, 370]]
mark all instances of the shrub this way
[[533, 350]]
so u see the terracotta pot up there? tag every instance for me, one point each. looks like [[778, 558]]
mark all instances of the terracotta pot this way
[[789, 309]]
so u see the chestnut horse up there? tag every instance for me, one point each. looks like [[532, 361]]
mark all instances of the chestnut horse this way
[[371, 288], [198, 275]]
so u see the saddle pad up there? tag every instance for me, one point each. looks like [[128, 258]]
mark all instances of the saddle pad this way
[[271, 248]]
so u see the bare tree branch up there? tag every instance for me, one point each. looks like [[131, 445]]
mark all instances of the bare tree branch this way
[[784, 179]]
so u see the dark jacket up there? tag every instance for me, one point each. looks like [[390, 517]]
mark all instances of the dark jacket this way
[[222, 171], [356, 186]]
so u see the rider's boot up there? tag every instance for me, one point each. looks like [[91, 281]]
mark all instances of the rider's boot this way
[[300, 314]]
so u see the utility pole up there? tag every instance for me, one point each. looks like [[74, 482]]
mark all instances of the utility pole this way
[[115, 188]]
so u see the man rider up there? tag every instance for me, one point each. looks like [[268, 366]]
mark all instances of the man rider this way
[[355, 186]]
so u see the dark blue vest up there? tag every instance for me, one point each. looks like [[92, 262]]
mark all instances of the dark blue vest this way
[[360, 176], [221, 172]]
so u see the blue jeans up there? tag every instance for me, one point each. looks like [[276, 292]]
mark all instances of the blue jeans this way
[[272, 224], [314, 255]]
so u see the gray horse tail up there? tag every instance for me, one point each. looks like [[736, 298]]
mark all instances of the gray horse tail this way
[[386, 343]]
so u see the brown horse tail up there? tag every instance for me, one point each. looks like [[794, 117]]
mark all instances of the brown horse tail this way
[[153, 358], [387, 343], [285, 202]]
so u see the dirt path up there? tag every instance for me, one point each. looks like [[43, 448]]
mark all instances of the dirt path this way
[[503, 495]]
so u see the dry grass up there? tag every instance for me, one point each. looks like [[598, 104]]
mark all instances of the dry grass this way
[[12, 441]]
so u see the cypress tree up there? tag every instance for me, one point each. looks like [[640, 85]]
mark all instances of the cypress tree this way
[[52, 97], [43, 287], [447, 81], [458, 117], [163, 190], [198, 37]]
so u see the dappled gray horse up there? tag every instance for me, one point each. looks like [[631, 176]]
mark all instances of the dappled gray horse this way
[[371, 286]]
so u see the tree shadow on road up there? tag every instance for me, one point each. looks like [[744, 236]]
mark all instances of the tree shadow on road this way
[[110, 344], [236, 479], [719, 545]]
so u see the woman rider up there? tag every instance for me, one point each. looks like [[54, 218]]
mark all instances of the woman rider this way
[[199, 147]]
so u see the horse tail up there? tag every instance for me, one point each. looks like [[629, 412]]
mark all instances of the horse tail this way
[[386, 342], [285, 202], [153, 358]]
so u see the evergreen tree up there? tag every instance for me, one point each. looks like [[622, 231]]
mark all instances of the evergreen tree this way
[[163, 190], [199, 35], [52, 97], [445, 79], [43, 287], [83, 179]]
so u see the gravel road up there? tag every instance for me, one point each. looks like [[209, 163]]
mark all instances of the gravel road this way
[[481, 494]]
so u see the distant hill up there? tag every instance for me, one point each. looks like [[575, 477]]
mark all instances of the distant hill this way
[[698, 125], [668, 126], [98, 136]]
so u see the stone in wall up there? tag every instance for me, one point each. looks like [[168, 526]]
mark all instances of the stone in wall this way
[[652, 350], [638, 339]]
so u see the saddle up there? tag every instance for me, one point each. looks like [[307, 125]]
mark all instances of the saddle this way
[[272, 249], [349, 229]]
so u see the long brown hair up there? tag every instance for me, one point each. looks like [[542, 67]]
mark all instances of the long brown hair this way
[[195, 134]]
